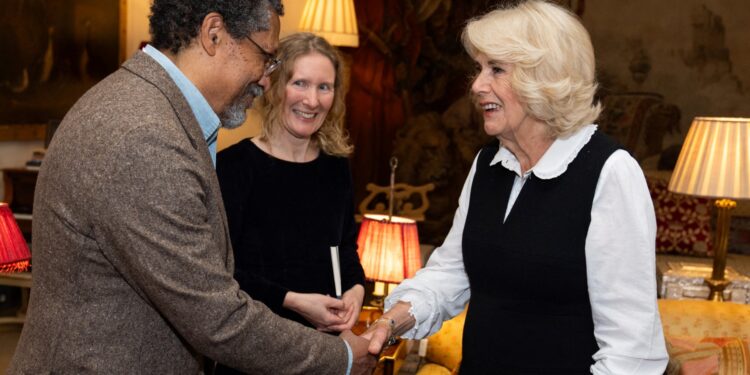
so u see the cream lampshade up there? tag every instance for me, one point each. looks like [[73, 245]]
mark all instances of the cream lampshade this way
[[715, 162], [334, 20]]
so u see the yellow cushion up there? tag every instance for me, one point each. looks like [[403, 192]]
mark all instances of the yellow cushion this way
[[698, 318], [433, 369], [444, 347]]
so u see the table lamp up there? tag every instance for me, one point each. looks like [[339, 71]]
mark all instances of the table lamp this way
[[388, 245], [334, 20], [715, 162], [388, 249], [14, 253]]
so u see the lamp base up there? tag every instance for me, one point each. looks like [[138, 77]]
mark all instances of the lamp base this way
[[377, 301], [718, 280], [717, 289]]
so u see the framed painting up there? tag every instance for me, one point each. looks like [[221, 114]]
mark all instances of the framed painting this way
[[56, 50]]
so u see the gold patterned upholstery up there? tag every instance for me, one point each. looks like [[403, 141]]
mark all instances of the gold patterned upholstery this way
[[698, 318]]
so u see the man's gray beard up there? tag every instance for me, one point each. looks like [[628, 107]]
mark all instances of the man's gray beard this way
[[235, 114]]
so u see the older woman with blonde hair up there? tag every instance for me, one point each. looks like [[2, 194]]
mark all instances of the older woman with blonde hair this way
[[288, 193], [553, 241]]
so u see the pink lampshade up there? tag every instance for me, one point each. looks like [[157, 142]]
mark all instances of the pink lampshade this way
[[14, 253], [389, 251]]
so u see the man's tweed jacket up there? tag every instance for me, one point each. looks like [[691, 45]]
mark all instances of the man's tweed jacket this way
[[132, 264]]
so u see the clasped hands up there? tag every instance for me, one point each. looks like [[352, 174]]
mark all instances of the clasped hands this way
[[372, 341], [326, 313], [366, 347], [330, 314]]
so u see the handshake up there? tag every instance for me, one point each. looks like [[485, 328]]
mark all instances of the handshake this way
[[331, 314], [367, 346]]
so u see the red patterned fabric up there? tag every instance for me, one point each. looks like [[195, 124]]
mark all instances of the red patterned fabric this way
[[683, 222], [708, 356]]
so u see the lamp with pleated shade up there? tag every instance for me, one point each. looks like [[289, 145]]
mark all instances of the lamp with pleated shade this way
[[715, 162], [14, 253], [334, 20], [389, 249], [388, 245]]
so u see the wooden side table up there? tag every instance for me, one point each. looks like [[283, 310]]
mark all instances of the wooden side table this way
[[391, 358], [23, 281]]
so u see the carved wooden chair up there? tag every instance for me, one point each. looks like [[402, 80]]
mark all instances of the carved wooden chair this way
[[408, 201]]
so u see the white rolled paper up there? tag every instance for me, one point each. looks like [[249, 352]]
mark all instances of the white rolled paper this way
[[336, 269]]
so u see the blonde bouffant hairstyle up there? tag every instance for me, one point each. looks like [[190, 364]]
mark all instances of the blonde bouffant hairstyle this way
[[332, 138], [552, 56]]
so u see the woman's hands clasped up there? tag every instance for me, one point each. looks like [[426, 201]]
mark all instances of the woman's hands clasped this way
[[326, 313]]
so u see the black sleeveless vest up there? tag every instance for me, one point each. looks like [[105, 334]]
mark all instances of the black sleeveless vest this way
[[530, 311]]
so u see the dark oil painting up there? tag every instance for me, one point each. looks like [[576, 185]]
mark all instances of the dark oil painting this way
[[52, 52]]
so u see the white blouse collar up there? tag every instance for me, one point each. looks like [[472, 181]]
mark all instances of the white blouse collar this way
[[555, 161]]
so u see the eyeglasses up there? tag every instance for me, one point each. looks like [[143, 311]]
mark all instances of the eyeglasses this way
[[271, 61]]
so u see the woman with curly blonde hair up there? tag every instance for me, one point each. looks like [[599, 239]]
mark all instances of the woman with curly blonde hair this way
[[288, 193], [553, 241], [330, 137]]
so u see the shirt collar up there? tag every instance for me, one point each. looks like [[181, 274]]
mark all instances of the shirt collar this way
[[555, 160], [204, 114]]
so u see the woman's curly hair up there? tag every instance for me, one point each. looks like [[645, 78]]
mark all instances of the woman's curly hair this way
[[174, 23], [332, 137]]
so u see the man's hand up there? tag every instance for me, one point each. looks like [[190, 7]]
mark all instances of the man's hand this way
[[363, 361], [397, 319], [378, 335]]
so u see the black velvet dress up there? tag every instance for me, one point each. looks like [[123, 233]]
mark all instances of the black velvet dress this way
[[283, 219]]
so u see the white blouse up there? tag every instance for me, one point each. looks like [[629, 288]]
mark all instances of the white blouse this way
[[620, 261]]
